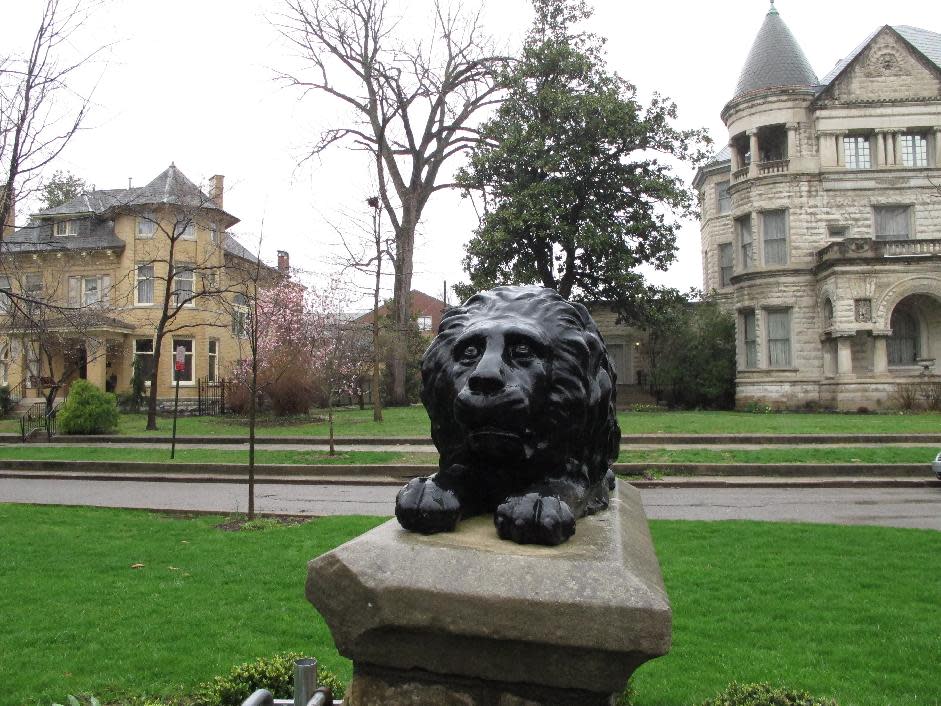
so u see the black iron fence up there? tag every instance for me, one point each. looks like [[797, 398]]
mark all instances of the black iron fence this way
[[36, 418], [213, 397]]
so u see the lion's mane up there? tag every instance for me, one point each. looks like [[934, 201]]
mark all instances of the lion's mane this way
[[577, 433]]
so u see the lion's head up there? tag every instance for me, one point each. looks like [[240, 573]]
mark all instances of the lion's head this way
[[518, 383]]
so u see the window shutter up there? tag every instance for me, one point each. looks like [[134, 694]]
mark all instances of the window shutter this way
[[75, 290]]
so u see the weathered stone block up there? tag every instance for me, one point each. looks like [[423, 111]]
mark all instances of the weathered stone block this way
[[488, 621]]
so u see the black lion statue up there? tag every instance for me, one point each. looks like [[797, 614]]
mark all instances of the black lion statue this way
[[521, 396]]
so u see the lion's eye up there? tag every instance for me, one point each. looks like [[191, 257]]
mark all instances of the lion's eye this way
[[521, 350], [469, 353]]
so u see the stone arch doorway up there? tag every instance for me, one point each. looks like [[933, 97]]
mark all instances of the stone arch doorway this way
[[915, 323]]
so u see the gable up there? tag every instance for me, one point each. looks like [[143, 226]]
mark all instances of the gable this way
[[887, 69]]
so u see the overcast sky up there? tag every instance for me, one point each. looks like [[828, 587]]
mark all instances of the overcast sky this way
[[193, 82]]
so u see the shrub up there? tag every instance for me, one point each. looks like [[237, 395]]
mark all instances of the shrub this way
[[276, 674], [88, 410], [930, 392], [138, 384], [906, 396], [291, 392], [764, 694], [6, 402]]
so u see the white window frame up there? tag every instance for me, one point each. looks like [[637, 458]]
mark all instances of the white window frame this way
[[857, 151], [750, 362], [212, 361], [5, 301], [789, 363], [186, 269], [189, 354], [747, 256], [138, 280], [240, 316], [424, 323], [765, 239], [720, 200], [214, 233], [188, 232], [150, 353], [79, 290], [725, 271], [146, 226], [62, 229], [914, 154]]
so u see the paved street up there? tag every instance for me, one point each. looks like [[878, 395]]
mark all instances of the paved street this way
[[896, 507]]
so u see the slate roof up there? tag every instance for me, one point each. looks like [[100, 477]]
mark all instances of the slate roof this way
[[95, 233], [170, 187], [775, 60], [928, 43]]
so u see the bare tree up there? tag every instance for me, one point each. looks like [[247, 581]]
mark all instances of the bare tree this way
[[412, 108], [40, 111]]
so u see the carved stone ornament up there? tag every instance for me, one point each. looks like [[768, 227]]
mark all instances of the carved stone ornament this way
[[863, 308], [883, 63], [521, 396]]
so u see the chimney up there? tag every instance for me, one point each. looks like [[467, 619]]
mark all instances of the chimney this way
[[9, 224], [217, 188], [284, 262]]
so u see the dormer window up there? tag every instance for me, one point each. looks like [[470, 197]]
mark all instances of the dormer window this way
[[914, 150], [857, 152], [64, 228]]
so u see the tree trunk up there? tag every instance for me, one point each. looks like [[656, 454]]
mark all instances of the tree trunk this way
[[404, 252], [333, 450], [152, 397], [376, 358]]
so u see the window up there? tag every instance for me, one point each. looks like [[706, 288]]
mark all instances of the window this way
[[892, 222], [914, 150], [90, 290], [146, 225], [743, 226], [424, 323], [63, 228], [212, 361], [827, 313], [856, 151], [213, 233], [750, 339], [186, 230], [144, 352], [145, 284], [774, 232], [4, 298], [779, 338], [903, 343], [32, 284], [726, 255], [4, 364], [187, 374], [240, 315], [723, 200], [183, 285]]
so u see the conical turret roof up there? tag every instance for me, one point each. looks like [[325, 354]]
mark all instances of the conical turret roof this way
[[776, 60]]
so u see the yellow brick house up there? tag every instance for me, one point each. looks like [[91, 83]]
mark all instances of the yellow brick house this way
[[83, 285]]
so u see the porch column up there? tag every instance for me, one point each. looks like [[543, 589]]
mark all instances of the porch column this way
[[840, 149], [880, 353], [792, 146], [880, 149], [937, 146], [844, 356], [95, 351], [753, 148], [890, 152]]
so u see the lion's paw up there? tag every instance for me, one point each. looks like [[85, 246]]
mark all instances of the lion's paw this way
[[534, 519], [424, 506]]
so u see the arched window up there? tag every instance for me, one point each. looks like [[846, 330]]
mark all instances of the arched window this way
[[827, 313], [903, 343]]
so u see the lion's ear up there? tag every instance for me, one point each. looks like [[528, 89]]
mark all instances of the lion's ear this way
[[582, 313]]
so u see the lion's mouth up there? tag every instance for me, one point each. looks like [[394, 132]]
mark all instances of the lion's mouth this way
[[499, 444]]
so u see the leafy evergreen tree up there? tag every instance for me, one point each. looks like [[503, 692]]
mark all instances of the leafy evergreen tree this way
[[61, 188], [577, 177]]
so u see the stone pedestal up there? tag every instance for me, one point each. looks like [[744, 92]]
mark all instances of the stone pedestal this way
[[466, 618]]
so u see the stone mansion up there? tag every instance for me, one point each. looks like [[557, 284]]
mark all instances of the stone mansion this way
[[821, 220]]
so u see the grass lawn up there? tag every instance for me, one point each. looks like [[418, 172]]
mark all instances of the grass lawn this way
[[849, 612], [772, 454], [412, 421]]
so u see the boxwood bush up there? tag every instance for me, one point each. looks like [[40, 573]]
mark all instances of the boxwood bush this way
[[763, 694], [87, 410]]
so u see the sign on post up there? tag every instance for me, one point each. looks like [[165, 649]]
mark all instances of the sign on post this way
[[180, 358]]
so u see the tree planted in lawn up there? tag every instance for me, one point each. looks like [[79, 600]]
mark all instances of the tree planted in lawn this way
[[577, 176]]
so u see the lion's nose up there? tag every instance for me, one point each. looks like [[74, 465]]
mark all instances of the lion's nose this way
[[487, 379]]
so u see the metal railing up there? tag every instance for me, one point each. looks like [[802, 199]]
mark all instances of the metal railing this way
[[210, 396], [306, 691], [36, 418], [18, 391]]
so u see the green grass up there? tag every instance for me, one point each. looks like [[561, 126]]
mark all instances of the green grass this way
[[412, 421], [849, 612], [189, 455], [773, 454]]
